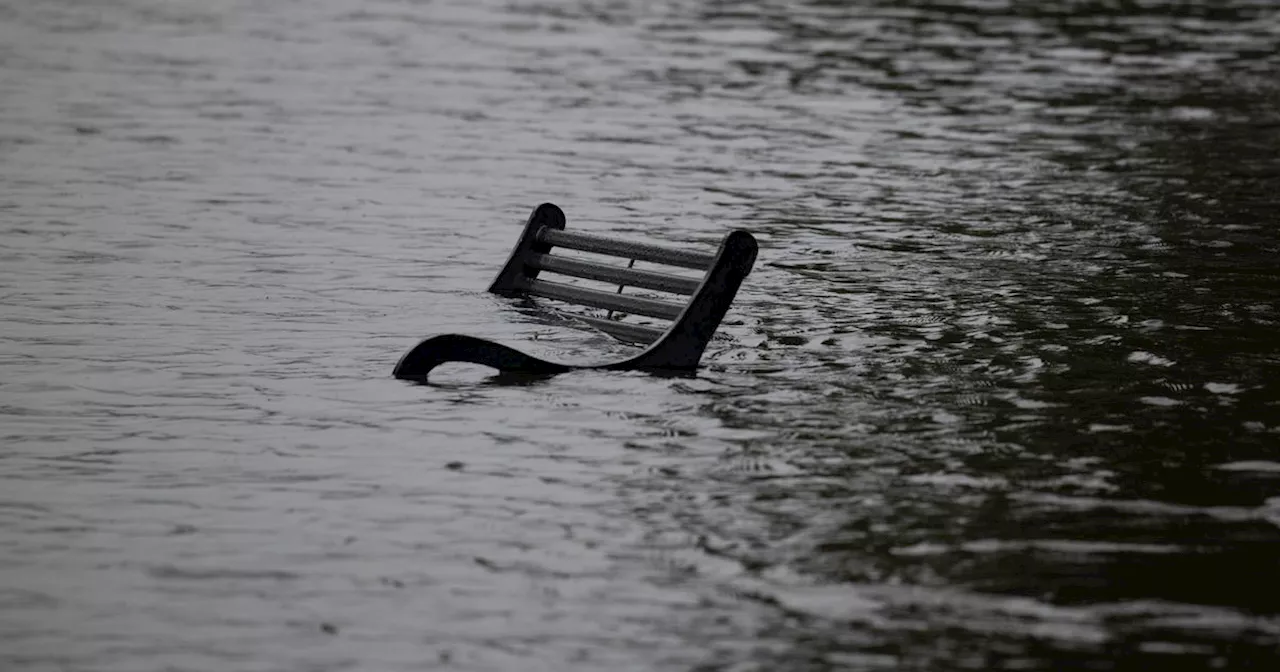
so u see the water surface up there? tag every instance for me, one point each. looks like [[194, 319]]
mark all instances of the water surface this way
[[999, 394]]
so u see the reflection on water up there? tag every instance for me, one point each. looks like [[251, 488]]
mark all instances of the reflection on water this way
[[1000, 393]]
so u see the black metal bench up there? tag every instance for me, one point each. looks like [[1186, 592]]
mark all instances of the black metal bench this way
[[677, 347]]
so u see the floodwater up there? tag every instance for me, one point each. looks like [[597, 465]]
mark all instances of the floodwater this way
[[1000, 394]]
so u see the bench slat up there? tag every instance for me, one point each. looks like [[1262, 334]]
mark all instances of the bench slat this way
[[626, 248], [632, 333], [597, 299], [617, 275]]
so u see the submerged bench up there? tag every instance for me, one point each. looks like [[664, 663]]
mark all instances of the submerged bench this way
[[677, 346]]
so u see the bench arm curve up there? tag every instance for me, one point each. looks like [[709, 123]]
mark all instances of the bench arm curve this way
[[437, 350]]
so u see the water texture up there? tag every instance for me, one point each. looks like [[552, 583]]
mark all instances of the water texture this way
[[1000, 394]]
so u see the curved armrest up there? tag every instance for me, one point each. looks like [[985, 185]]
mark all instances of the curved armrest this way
[[437, 350]]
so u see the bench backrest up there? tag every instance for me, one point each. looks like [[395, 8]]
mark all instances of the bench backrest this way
[[687, 308]]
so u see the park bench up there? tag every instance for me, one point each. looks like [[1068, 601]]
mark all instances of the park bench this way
[[673, 339]]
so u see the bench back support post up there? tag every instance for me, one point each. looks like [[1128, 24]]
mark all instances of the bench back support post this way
[[514, 272], [681, 347]]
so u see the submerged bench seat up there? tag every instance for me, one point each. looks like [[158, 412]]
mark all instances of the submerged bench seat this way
[[683, 309]]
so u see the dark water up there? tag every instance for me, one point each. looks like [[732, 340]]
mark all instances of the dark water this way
[[1000, 393]]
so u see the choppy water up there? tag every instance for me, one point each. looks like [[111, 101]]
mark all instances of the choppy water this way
[[1001, 392]]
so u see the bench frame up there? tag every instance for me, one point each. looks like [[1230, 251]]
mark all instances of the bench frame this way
[[677, 348]]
